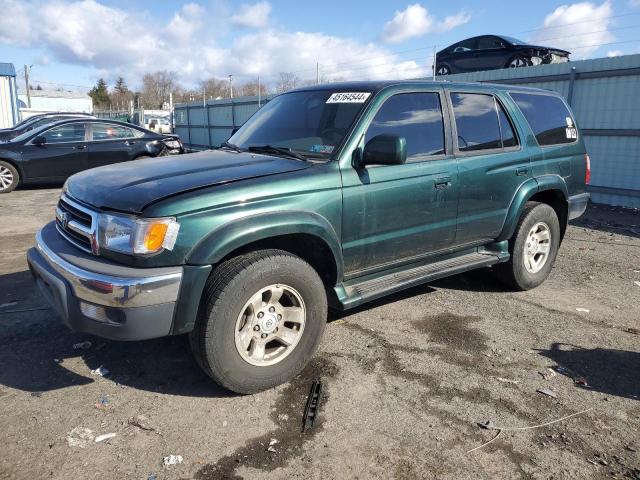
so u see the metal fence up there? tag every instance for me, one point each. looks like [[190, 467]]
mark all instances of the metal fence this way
[[205, 125], [604, 94]]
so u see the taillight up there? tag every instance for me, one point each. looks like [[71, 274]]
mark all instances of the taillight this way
[[587, 174]]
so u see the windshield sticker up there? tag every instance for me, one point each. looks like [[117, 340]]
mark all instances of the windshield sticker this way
[[349, 97], [572, 133], [569, 121], [322, 148]]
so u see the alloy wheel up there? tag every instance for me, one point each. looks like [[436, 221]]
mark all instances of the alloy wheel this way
[[6, 178], [537, 247], [270, 325], [518, 62]]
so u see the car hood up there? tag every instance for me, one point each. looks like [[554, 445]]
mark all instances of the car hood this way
[[540, 47], [132, 186]]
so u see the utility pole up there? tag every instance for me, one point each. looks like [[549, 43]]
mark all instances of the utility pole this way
[[317, 73], [258, 91], [434, 62], [204, 97], [26, 81], [231, 86]]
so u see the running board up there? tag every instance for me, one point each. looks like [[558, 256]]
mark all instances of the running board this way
[[358, 291]]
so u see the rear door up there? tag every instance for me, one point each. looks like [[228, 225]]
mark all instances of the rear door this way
[[394, 214], [492, 162], [110, 143], [63, 154]]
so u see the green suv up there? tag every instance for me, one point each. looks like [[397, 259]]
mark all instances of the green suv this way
[[328, 197]]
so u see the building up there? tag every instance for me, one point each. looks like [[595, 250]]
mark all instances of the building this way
[[8, 99], [43, 101]]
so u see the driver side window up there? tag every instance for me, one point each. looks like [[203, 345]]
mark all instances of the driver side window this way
[[415, 116]]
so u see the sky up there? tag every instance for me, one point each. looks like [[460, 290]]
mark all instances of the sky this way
[[72, 43]]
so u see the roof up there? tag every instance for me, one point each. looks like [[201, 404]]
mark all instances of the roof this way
[[377, 85], [7, 70], [57, 94]]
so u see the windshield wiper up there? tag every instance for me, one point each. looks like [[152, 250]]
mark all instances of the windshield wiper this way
[[230, 146], [285, 152]]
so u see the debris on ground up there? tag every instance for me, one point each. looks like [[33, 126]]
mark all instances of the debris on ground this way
[[313, 405], [548, 373], [584, 310], [102, 438], [152, 476], [581, 381], [100, 371], [79, 437], [548, 392], [271, 444], [632, 330], [142, 422], [507, 380], [86, 345], [489, 425], [637, 283], [172, 460], [103, 402], [36, 394]]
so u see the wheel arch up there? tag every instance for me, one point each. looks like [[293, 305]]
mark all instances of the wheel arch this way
[[549, 189]]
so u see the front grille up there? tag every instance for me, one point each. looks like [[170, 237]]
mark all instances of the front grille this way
[[77, 223]]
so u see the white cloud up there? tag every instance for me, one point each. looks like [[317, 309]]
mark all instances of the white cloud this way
[[254, 16], [115, 42], [580, 28], [416, 21], [615, 53]]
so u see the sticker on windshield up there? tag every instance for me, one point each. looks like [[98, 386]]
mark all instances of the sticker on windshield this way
[[569, 121], [572, 133], [349, 97], [322, 148]]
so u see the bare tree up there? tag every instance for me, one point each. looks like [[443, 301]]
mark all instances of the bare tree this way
[[288, 80], [251, 89], [156, 88], [214, 88]]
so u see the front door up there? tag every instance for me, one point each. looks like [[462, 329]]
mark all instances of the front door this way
[[490, 53], [111, 143], [63, 153], [491, 160], [396, 214]]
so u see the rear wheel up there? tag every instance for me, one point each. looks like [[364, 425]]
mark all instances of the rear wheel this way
[[518, 62], [9, 177], [533, 248], [261, 319]]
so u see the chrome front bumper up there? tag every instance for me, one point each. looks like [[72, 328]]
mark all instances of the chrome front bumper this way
[[99, 297]]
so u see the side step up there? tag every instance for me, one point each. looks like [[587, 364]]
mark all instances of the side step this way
[[358, 291]]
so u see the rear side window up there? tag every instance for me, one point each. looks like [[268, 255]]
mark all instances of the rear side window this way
[[549, 118], [415, 116], [481, 123], [104, 131]]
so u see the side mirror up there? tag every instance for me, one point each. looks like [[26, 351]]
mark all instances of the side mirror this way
[[385, 150], [39, 140]]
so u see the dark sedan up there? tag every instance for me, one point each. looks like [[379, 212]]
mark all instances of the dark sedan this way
[[491, 52], [36, 121], [53, 152]]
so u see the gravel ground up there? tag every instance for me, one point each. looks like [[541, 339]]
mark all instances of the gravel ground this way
[[406, 380]]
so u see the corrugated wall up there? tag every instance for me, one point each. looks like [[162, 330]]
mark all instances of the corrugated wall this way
[[604, 94], [207, 125], [8, 106]]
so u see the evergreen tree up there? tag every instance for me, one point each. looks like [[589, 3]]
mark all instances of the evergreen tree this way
[[100, 94]]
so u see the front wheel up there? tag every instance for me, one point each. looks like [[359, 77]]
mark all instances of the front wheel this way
[[518, 62], [261, 320], [533, 248]]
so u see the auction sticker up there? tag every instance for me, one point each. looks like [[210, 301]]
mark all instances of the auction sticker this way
[[349, 97]]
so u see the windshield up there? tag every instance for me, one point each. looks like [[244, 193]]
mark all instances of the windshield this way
[[514, 41], [312, 123], [29, 133]]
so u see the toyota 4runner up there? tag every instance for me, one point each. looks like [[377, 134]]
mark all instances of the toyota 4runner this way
[[329, 196]]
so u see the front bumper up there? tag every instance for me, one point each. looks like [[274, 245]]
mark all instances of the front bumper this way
[[102, 298], [578, 205]]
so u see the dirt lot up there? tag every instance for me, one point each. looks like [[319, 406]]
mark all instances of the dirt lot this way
[[407, 380]]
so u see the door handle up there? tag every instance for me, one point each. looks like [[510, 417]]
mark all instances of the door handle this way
[[521, 172], [80, 147], [442, 182], [130, 142]]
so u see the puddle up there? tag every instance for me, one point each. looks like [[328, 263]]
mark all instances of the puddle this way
[[453, 331], [287, 415]]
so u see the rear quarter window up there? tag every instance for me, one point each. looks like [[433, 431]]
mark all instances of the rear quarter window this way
[[551, 121]]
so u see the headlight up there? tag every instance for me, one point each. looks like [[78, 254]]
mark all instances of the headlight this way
[[172, 143], [133, 235]]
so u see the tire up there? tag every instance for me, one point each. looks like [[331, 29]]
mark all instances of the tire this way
[[518, 273], [9, 177], [142, 157], [443, 69], [226, 315], [518, 62]]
